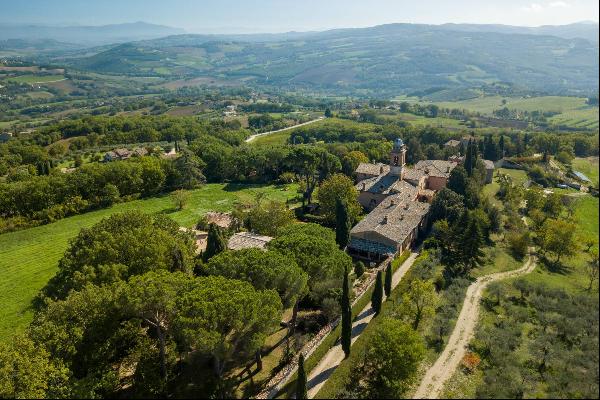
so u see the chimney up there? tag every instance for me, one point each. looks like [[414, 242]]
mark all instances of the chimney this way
[[385, 220], [381, 169], [364, 185]]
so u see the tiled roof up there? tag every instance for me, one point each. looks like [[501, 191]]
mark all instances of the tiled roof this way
[[372, 169], [412, 174], [247, 240], [439, 168], [386, 184], [452, 143], [395, 218], [488, 164]]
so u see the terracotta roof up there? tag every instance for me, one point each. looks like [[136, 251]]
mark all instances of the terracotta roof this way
[[247, 240], [395, 218], [372, 169]]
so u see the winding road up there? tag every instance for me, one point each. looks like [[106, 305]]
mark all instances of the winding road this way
[[321, 373], [433, 382], [252, 137]]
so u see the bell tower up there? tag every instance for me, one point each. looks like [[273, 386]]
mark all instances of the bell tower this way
[[398, 158]]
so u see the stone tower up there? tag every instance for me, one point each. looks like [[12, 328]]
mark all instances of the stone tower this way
[[398, 158]]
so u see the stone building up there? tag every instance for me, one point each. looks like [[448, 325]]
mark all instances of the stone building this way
[[397, 198]]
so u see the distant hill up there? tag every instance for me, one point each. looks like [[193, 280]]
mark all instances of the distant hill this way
[[386, 59], [88, 35], [579, 30]]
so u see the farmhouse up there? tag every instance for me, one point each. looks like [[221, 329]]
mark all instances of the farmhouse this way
[[398, 200]]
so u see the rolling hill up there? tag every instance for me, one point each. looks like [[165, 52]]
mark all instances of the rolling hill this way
[[386, 59]]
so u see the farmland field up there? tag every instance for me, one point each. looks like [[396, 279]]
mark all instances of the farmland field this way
[[573, 111], [28, 258], [37, 78]]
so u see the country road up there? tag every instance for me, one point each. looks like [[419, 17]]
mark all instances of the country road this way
[[319, 374], [433, 382], [252, 137]]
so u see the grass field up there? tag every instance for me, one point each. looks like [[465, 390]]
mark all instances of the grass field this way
[[589, 167], [37, 78], [28, 258], [573, 111]]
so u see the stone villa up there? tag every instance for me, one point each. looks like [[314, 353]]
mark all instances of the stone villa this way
[[398, 198]]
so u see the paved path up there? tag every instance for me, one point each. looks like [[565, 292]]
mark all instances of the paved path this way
[[319, 375], [432, 384], [251, 138]]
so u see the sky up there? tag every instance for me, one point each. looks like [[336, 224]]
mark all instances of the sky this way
[[259, 16]]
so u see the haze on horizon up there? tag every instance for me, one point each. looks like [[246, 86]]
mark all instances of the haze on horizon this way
[[262, 16]]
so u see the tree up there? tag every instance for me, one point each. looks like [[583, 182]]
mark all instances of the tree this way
[[312, 165], [447, 205], [316, 252], [188, 169], [471, 243], [471, 157], [419, 301], [27, 371], [301, 384], [359, 269], [377, 296], [180, 198], [264, 270], [119, 247], [336, 188], [265, 218], [392, 359], [346, 317], [458, 180], [152, 297], [351, 161], [228, 320], [328, 113], [342, 224], [388, 280], [557, 237], [591, 268], [215, 242]]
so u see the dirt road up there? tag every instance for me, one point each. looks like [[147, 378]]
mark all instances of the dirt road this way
[[432, 384], [251, 138]]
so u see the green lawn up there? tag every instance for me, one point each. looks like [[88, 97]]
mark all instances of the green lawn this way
[[588, 166], [28, 258]]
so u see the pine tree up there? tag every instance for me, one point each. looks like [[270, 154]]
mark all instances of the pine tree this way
[[215, 242], [388, 280], [377, 296], [346, 317], [301, 392], [343, 224], [471, 254]]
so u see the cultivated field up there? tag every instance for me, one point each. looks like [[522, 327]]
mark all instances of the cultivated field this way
[[28, 258]]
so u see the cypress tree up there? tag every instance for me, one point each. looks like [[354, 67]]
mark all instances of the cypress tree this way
[[301, 392], [346, 316], [377, 296], [215, 242], [388, 280], [342, 224], [471, 244], [501, 146]]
